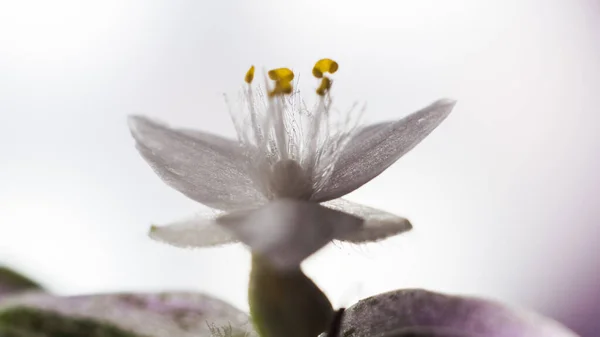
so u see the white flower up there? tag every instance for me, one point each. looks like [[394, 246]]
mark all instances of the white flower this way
[[279, 185]]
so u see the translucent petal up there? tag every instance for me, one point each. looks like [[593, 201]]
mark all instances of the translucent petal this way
[[195, 232], [204, 167], [377, 225], [287, 231], [411, 308], [147, 314], [376, 147]]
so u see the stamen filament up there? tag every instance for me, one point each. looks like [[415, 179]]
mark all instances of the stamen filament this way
[[283, 128], [280, 128]]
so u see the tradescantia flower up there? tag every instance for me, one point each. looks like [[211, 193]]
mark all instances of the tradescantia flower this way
[[279, 186]]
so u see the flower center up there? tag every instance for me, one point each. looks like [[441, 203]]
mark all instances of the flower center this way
[[291, 149], [288, 180]]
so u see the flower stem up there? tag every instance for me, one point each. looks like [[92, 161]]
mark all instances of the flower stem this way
[[286, 303]]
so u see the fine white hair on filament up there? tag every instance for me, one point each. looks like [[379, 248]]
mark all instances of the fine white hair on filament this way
[[282, 127]]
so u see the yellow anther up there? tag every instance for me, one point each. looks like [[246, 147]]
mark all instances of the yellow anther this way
[[249, 75], [281, 74], [323, 66], [283, 81], [324, 86], [281, 87]]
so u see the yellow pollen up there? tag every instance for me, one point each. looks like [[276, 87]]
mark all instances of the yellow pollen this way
[[281, 87], [324, 86], [281, 74], [323, 66], [249, 75], [283, 81]]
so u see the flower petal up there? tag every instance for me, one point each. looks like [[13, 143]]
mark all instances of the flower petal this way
[[377, 224], [287, 231], [206, 168], [417, 308], [149, 314], [376, 147], [193, 233]]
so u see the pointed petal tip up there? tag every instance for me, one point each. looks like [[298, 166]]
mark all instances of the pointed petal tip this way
[[161, 234], [135, 122], [443, 106], [446, 101], [377, 225], [153, 233], [408, 226], [195, 232]]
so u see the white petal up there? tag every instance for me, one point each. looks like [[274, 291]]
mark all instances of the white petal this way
[[206, 168], [287, 231], [412, 308], [377, 224], [146, 314], [193, 233], [376, 147]]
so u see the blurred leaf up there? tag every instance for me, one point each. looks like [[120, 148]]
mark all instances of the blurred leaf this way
[[11, 331], [13, 282], [427, 332], [152, 314], [33, 322], [226, 331], [416, 312]]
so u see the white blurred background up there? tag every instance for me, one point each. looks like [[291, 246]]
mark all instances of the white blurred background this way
[[503, 195]]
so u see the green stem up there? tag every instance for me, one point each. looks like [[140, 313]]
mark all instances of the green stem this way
[[286, 303]]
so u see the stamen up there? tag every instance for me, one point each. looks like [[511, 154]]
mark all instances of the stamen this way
[[249, 75], [281, 88], [283, 81], [281, 74], [291, 149], [324, 66], [324, 86]]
